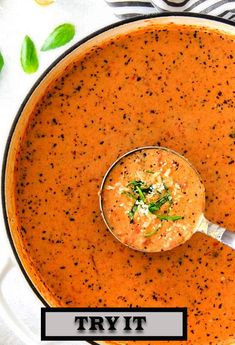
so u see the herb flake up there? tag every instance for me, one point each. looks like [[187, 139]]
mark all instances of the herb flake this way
[[169, 218], [141, 194], [156, 206], [132, 212]]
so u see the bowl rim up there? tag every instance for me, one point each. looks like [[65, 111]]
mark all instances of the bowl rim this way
[[210, 18]]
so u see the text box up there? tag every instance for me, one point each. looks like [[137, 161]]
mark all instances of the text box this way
[[114, 324]]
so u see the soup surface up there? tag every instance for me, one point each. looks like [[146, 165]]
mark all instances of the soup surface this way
[[167, 85], [152, 199]]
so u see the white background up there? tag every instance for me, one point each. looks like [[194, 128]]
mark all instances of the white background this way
[[18, 18]]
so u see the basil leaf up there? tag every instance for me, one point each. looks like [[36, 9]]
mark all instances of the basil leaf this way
[[165, 187], [1, 62], [28, 56], [155, 206], [59, 37], [131, 213], [147, 190], [137, 188], [142, 197], [165, 217], [135, 183]]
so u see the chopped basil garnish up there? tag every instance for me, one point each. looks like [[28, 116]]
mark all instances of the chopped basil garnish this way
[[142, 197], [138, 188], [156, 206], [167, 217], [135, 183], [167, 191], [147, 190], [131, 213], [165, 187], [139, 191]]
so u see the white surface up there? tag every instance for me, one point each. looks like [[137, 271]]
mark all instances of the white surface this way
[[18, 18]]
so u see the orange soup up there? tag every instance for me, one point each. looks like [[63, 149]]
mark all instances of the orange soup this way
[[166, 85], [152, 199]]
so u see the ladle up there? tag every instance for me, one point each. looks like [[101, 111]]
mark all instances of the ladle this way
[[202, 225]]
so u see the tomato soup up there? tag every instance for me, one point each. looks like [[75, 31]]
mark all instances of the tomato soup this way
[[152, 199], [167, 85]]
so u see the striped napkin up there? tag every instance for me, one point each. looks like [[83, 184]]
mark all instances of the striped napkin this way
[[132, 8]]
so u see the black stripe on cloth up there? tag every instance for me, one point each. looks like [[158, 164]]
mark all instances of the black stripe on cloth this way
[[232, 17], [130, 3], [216, 5], [159, 9], [197, 3], [187, 6], [200, 6], [129, 9], [225, 12]]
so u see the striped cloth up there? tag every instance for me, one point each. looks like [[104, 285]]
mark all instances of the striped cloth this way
[[127, 9]]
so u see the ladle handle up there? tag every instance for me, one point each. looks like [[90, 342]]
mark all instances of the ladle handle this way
[[217, 232]]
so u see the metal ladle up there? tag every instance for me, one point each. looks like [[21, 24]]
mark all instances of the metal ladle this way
[[204, 225]]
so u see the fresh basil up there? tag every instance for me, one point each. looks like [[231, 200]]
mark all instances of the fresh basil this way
[[28, 56], [147, 190], [167, 217], [156, 206], [165, 187], [132, 212], [1, 62], [139, 191], [138, 188], [61, 35], [135, 183]]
